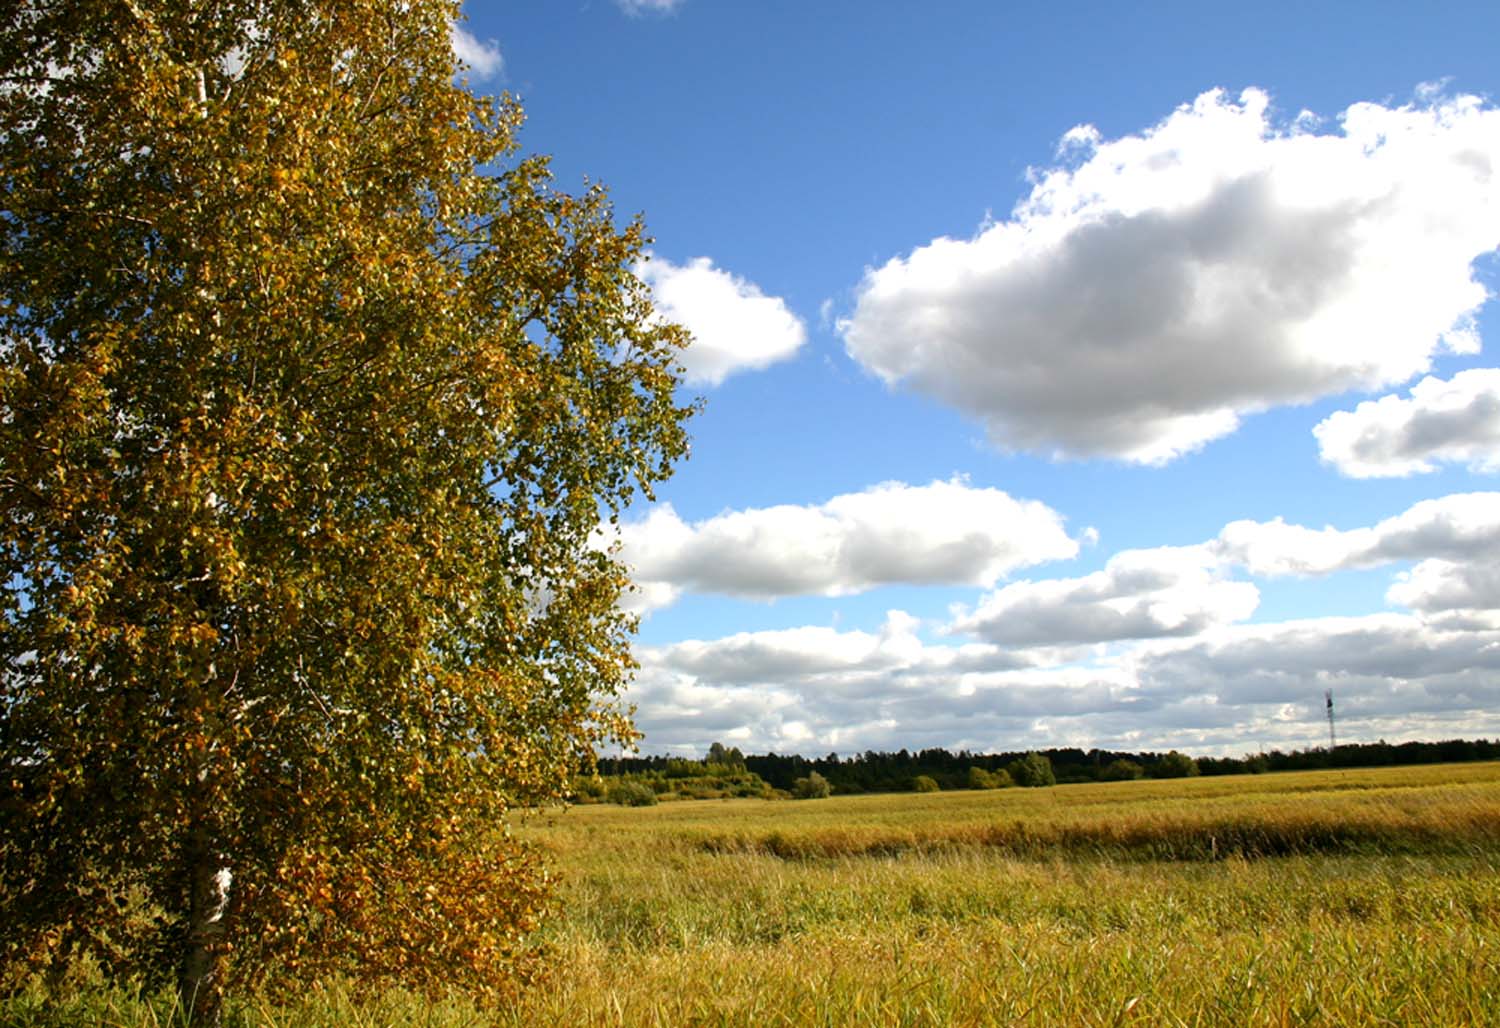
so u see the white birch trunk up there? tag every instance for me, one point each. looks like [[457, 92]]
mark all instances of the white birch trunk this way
[[200, 987]]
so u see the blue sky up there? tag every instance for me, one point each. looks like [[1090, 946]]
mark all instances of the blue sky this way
[[1073, 374]]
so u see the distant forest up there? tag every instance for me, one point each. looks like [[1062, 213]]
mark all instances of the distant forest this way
[[896, 772]]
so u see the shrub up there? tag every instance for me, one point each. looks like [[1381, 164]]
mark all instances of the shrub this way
[[1175, 765], [979, 778], [632, 794], [1032, 770], [1121, 770], [813, 787], [925, 783], [679, 768], [589, 788]]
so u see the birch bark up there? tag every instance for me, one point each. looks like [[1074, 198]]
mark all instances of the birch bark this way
[[200, 985]]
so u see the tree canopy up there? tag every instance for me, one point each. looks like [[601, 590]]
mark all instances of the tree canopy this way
[[313, 395]]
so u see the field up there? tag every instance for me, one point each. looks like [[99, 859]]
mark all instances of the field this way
[[1338, 898]]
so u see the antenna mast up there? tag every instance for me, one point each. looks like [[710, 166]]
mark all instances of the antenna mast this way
[[1333, 742]]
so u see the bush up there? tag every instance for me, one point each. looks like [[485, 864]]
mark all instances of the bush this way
[[1175, 765], [632, 794], [589, 788], [1032, 771], [979, 778], [813, 787], [925, 783], [1121, 770]]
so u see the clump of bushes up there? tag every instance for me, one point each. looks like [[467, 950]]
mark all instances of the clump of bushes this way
[[1175, 765], [589, 789], [1032, 771], [813, 787], [1121, 770], [632, 794], [714, 782], [979, 778], [925, 783]]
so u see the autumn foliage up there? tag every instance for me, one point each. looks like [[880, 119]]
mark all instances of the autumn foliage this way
[[312, 395]]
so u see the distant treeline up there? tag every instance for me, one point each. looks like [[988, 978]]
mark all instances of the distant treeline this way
[[896, 772]]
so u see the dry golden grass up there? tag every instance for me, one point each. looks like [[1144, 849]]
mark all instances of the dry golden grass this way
[[1327, 898], [1368, 897]]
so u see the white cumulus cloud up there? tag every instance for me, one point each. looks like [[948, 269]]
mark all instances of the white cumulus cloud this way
[[1142, 300], [813, 686], [1395, 663], [735, 327], [943, 533], [1460, 527], [1437, 586], [804, 653], [1154, 651], [1231, 689], [1455, 421], [1140, 594]]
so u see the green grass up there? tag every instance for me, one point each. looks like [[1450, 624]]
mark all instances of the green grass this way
[[1332, 898]]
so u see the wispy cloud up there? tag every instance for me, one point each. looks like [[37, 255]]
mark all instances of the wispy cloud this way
[[481, 57], [636, 8]]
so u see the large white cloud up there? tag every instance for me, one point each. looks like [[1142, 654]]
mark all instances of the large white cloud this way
[[1138, 304], [1140, 594], [735, 327], [1185, 591], [947, 533], [1292, 660], [817, 688], [1456, 421], [1233, 689], [1461, 527], [1437, 586], [1151, 652], [766, 657]]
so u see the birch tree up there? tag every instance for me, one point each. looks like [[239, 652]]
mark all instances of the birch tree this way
[[313, 393]]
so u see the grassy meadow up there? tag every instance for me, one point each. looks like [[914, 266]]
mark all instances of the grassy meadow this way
[[1336, 897]]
